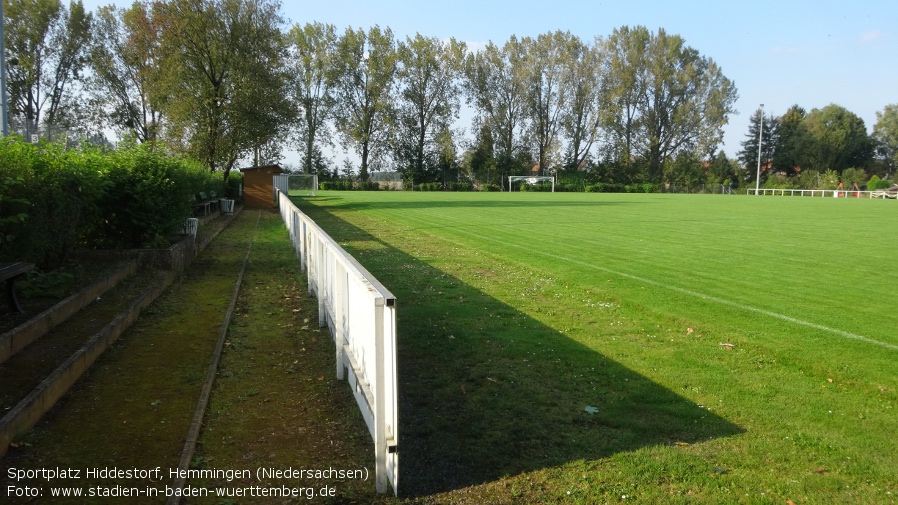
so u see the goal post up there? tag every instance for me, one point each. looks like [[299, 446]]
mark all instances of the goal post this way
[[530, 180], [297, 184]]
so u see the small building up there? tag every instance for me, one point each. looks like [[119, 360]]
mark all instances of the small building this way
[[258, 186]]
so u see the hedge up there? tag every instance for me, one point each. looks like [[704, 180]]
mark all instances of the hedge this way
[[54, 200]]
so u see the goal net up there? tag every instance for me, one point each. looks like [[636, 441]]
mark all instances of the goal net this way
[[301, 184], [532, 182]]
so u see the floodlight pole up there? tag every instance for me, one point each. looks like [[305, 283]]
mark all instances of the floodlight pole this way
[[4, 116], [760, 132]]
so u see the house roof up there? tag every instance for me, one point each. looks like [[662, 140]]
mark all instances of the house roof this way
[[271, 168]]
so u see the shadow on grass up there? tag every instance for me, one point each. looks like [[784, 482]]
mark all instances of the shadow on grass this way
[[460, 202], [486, 391]]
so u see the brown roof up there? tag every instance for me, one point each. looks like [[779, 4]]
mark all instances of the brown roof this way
[[271, 168]]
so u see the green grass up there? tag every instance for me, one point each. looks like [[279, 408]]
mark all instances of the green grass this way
[[517, 311]]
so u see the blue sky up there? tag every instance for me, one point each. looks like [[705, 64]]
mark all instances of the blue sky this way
[[779, 53]]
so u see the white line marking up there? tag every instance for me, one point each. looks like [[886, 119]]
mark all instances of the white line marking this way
[[690, 292]]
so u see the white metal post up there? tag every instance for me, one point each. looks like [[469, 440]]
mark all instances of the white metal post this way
[[380, 432], [760, 132]]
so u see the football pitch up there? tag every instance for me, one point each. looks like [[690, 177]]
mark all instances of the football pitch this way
[[656, 348]]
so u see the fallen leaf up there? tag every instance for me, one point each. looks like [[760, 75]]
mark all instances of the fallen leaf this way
[[790, 502], [829, 380], [689, 331], [820, 469], [321, 377]]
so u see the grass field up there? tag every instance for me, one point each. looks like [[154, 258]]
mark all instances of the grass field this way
[[570, 347]]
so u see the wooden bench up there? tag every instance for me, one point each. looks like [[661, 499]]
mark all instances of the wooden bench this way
[[9, 272]]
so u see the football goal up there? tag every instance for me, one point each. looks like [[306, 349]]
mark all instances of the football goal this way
[[530, 180], [297, 184]]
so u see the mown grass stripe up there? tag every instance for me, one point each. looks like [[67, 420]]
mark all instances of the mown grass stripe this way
[[693, 293], [434, 222]]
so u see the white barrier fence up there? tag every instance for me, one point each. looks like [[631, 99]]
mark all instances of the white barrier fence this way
[[831, 193], [361, 315]]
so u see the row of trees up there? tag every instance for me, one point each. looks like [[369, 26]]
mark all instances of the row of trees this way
[[830, 139], [553, 102], [208, 78], [222, 80]]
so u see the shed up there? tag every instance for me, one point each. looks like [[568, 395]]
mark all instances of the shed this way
[[258, 186]]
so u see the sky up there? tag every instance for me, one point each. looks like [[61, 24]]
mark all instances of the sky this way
[[778, 53]]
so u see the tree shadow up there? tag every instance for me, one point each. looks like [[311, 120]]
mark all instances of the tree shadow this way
[[441, 201], [486, 391]]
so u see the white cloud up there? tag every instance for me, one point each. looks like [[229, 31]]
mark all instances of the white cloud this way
[[871, 36]]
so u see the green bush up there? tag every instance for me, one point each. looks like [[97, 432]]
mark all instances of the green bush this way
[[14, 206], [337, 185], [50, 199], [645, 187], [232, 185], [150, 197], [876, 183], [776, 181], [53, 200], [607, 187], [429, 186], [368, 186], [542, 187]]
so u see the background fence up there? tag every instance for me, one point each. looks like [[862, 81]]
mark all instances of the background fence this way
[[832, 193], [361, 316]]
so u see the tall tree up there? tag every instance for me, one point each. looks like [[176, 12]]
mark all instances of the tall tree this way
[[224, 76], [581, 115], [313, 67], [885, 132], [367, 69], [548, 65], [836, 139], [494, 84], [670, 98], [428, 101], [70, 38], [768, 138], [790, 143], [125, 60], [47, 45], [480, 159], [687, 101], [623, 71]]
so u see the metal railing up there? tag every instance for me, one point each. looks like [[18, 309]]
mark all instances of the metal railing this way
[[831, 193]]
